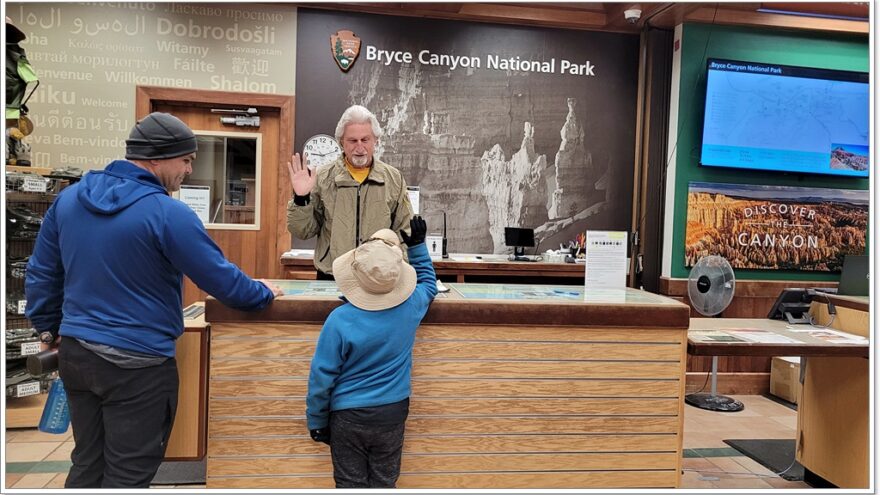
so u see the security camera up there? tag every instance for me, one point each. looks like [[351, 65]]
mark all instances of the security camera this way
[[632, 15]]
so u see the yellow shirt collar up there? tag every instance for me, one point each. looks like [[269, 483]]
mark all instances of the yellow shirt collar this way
[[358, 174]]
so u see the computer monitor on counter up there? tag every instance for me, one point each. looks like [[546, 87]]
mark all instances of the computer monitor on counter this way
[[519, 239]]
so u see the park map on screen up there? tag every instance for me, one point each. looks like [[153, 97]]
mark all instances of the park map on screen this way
[[790, 119]]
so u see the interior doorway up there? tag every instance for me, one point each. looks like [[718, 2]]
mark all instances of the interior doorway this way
[[242, 173]]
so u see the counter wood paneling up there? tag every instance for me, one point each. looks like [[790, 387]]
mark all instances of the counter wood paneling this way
[[187, 441], [505, 394]]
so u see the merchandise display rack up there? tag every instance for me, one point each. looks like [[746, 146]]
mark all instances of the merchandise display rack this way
[[28, 196]]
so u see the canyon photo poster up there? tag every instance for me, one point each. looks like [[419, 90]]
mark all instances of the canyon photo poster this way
[[499, 126], [775, 227]]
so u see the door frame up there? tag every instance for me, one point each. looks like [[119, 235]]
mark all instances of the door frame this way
[[146, 97]]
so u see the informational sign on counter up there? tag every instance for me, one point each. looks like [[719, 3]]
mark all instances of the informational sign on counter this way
[[413, 193], [435, 245], [606, 260]]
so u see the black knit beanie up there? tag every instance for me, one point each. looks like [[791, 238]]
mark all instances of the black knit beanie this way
[[159, 136]]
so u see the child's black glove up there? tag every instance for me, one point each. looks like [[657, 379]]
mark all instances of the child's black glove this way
[[321, 435], [419, 228]]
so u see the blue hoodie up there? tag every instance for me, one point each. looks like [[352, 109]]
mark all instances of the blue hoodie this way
[[108, 263], [364, 358]]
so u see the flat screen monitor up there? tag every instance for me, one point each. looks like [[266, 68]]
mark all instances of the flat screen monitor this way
[[519, 239], [854, 277], [792, 305], [788, 119]]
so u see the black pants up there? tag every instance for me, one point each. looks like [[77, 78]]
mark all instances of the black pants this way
[[365, 456], [324, 276], [121, 418]]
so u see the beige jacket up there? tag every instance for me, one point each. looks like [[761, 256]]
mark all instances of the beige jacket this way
[[343, 213]]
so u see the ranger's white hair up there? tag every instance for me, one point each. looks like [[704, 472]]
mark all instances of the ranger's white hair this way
[[357, 114]]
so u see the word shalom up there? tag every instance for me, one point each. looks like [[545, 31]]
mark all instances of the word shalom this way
[[495, 62]]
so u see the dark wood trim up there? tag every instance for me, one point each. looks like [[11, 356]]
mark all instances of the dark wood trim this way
[[755, 349], [204, 360], [476, 312], [605, 16], [204, 350], [729, 383], [852, 302], [204, 98], [744, 288]]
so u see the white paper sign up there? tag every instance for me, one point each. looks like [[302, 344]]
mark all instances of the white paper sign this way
[[25, 389], [34, 184], [606, 260], [435, 245], [22, 305], [198, 198], [28, 348], [413, 193]]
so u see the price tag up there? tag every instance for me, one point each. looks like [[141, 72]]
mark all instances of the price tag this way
[[28, 348], [22, 305], [34, 184], [25, 389]]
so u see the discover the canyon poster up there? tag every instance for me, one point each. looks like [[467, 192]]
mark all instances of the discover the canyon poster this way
[[775, 227]]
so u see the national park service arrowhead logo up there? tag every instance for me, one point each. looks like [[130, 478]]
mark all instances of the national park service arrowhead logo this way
[[345, 47]]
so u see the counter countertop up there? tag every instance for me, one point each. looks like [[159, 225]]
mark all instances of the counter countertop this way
[[496, 304]]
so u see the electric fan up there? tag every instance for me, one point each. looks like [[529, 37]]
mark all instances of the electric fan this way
[[710, 288]]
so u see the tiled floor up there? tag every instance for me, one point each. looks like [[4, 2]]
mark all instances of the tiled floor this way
[[711, 463], [41, 460]]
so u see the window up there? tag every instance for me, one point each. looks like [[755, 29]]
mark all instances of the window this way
[[224, 187]]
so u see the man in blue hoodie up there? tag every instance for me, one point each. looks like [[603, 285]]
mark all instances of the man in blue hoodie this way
[[359, 383], [106, 274]]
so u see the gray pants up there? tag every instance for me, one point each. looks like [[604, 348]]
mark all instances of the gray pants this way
[[365, 456]]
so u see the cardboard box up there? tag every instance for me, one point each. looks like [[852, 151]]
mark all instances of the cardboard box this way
[[785, 378]]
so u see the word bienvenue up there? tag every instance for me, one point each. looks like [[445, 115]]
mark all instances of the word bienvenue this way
[[496, 62]]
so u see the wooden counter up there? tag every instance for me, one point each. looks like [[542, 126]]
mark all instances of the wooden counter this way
[[802, 344], [462, 268], [187, 441], [832, 432], [739, 374], [546, 392], [833, 414]]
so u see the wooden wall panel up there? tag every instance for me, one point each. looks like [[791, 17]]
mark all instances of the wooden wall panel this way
[[550, 480], [415, 444]]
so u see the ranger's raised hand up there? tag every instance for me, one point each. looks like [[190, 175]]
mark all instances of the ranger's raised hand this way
[[302, 178]]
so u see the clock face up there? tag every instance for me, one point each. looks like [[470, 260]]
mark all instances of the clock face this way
[[320, 150]]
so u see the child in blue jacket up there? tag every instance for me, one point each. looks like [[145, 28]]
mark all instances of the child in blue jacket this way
[[359, 384]]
